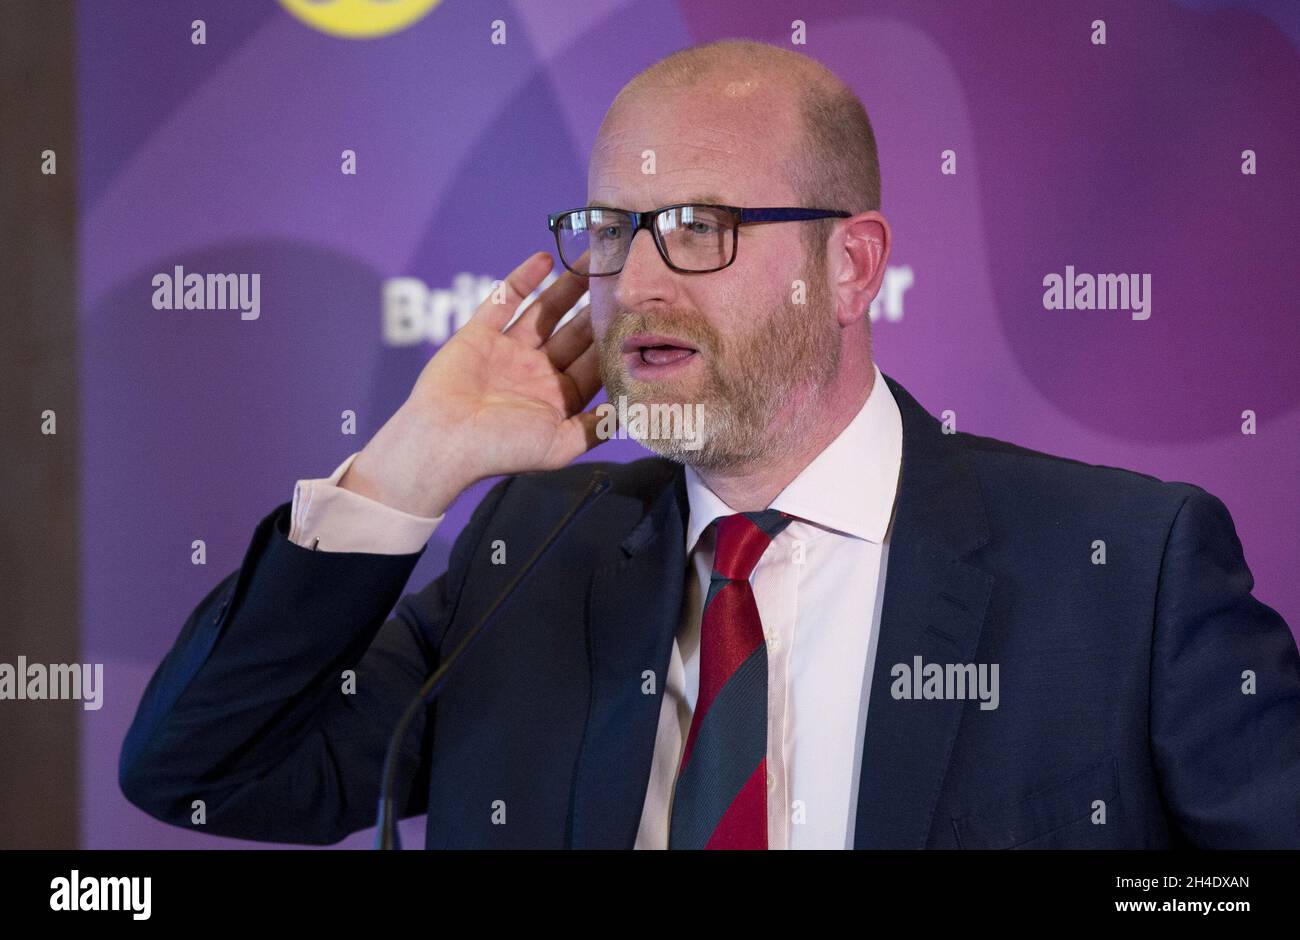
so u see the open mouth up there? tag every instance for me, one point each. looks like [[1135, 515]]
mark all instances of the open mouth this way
[[653, 356], [664, 354]]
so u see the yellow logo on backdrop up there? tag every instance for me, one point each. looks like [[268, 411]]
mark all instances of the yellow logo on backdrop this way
[[359, 19]]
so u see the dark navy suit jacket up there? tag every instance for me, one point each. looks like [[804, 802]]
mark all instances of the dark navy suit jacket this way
[[1122, 696]]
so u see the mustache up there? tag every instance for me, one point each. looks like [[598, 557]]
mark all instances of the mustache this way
[[688, 327]]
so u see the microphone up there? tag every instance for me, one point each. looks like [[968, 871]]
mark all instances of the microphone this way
[[386, 836]]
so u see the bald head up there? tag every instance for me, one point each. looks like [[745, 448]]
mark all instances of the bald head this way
[[831, 159]]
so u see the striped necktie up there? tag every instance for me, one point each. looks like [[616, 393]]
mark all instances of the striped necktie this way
[[720, 798]]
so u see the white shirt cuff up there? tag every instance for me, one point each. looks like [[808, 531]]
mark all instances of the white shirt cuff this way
[[327, 518]]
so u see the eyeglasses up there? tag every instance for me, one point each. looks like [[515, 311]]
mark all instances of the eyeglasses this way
[[692, 238]]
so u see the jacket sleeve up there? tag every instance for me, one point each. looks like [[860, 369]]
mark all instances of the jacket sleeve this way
[[1225, 691], [249, 711]]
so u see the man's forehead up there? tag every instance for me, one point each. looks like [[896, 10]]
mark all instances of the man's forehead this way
[[660, 157], [685, 139]]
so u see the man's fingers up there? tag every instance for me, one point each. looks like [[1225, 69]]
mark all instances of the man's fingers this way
[[581, 430], [584, 376], [570, 340], [504, 299], [535, 324]]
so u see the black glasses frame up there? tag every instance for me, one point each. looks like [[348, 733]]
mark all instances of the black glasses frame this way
[[646, 220]]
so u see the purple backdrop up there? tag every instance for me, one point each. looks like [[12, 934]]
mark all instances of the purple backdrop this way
[[225, 157]]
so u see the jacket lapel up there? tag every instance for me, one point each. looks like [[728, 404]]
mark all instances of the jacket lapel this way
[[934, 607], [633, 608]]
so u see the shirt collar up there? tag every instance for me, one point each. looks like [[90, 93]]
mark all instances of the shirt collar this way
[[849, 487]]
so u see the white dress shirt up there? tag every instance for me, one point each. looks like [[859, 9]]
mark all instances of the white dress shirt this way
[[818, 587]]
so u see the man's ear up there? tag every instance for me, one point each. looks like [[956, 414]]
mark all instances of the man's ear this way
[[865, 241]]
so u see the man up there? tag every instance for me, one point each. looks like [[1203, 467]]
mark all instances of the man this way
[[822, 623]]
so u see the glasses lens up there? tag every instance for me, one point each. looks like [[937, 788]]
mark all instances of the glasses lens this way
[[697, 238], [593, 242]]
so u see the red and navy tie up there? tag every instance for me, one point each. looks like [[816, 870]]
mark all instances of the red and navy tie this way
[[720, 798]]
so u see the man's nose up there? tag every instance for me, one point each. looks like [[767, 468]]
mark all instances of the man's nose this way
[[645, 275]]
